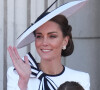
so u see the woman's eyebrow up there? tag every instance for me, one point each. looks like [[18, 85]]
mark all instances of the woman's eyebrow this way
[[52, 32], [38, 33], [48, 33]]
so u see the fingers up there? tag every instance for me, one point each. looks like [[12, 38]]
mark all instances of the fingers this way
[[16, 52], [12, 53], [15, 56]]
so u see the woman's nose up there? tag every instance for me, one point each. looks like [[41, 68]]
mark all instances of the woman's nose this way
[[45, 41]]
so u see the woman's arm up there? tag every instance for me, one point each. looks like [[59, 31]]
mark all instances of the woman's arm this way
[[23, 68]]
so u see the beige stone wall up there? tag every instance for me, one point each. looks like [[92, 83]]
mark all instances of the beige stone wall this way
[[17, 15]]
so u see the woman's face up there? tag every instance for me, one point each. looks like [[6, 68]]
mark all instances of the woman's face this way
[[49, 41]]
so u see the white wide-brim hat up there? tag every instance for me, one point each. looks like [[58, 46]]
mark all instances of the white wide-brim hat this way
[[67, 10]]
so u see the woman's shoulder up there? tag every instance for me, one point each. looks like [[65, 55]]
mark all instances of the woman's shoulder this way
[[75, 72], [12, 73], [76, 75], [79, 76], [10, 69]]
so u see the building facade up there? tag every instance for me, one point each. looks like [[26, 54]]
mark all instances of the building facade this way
[[17, 15]]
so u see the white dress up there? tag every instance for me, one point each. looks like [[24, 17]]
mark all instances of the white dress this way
[[42, 81]]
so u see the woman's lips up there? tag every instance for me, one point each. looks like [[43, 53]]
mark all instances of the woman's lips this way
[[46, 50]]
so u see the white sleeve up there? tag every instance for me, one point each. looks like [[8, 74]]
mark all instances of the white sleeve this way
[[12, 79]]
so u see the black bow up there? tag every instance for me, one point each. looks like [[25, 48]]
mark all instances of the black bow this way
[[45, 82]]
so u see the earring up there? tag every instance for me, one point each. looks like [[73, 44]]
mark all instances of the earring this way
[[64, 47]]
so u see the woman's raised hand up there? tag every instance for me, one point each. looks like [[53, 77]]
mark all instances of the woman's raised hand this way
[[22, 68]]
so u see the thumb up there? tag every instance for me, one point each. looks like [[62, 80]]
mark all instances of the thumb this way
[[26, 59]]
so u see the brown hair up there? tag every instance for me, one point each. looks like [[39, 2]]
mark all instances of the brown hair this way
[[70, 86], [66, 30]]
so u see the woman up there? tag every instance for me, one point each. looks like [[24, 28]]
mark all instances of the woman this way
[[53, 39]]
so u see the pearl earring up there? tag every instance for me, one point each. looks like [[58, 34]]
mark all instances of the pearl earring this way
[[64, 47]]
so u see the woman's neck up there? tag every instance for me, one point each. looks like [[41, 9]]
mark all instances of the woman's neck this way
[[51, 67]]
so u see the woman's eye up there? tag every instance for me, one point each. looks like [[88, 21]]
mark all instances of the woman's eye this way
[[38, 36], [53, 36]]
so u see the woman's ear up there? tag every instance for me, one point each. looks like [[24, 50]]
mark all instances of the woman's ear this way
[[66, 39]]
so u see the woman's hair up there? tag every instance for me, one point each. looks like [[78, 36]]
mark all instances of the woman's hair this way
[[70, 86], [66, 29]]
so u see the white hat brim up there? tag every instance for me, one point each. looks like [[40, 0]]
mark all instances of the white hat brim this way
[[67, 10]]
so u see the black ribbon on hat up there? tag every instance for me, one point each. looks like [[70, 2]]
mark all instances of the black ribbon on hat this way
[[41, 16], [45, 12]]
